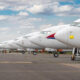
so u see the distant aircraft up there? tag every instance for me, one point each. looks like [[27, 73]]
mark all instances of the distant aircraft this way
[[13, 45], [26, 43], [4, 45], [46, 38], [10, 45]]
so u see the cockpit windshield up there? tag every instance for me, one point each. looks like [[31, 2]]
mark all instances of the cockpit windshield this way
[[45, 32], [77, 24], [26, 36]]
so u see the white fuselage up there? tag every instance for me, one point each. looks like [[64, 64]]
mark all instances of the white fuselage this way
[[4, 46], [9, 45], [70, 36], [26, 43], [43, 41], [13, 45]]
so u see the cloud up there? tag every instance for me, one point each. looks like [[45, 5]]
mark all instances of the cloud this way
[[41, 9], [44, 26], [2, 7], [35, 19], [61, 23], [2, 17], [23, 4], [4, 28], [36, 9], [23, 14], [46, 7], [64, 8], [18, 8], [54, 8], [10, 25]]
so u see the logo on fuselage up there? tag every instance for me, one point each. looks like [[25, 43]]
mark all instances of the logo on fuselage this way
[[52, 36]]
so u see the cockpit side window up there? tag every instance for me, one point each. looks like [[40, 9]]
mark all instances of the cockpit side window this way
[[45, 32], [76, 24]]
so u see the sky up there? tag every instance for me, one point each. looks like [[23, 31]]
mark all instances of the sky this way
[[19, 17]]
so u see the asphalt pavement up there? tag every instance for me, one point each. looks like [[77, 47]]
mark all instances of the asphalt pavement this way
[[38, 67]]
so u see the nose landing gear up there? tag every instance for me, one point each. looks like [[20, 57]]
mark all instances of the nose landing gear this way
[[56, 54], [57, 51]]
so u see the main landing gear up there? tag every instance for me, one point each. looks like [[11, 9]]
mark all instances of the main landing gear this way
[[75, 54]]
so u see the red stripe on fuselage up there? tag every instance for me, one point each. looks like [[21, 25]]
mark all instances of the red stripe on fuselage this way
[[51, 36]]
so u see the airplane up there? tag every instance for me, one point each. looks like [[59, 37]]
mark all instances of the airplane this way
[[10, 45], [70, 36], [26, 43], [4, 45], [13, 45], [46, 38]]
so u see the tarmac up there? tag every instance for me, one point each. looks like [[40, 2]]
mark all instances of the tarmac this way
[[17, 66]]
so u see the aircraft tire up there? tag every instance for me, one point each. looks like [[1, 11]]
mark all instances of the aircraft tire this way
[[56, 54], [23, 52]]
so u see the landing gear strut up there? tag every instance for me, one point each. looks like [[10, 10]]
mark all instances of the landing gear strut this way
[[75, 54]]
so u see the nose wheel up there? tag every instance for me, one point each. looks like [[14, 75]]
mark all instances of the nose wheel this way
[[56, 54], [23, 52]]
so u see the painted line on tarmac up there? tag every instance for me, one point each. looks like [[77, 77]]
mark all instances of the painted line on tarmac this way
[[72, 65], [70, 71], [16, 62]]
